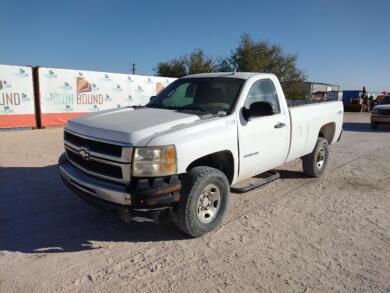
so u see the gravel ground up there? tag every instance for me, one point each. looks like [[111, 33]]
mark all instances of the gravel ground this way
[[295, 234]]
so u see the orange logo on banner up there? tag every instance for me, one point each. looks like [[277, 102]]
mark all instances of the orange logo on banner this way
[[159, 87], [83, 86]]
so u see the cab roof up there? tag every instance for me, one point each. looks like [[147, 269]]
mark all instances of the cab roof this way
[[241, 75]]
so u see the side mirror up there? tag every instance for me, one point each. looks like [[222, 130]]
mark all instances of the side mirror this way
[[258, 109], [152, 98]]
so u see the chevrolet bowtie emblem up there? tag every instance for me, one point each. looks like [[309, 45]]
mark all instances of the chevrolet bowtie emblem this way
[[83, 154]]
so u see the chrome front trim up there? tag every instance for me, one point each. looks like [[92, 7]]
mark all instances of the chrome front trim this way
[[112, 192], [127, 153], [125, 167], [127, 150], [122, 160]]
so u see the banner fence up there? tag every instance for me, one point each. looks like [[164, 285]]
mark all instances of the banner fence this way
[[17, 99], [43, 96], [66, 93]]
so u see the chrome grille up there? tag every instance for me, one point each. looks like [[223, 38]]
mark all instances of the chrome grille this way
[[95, 166], [101, 147], [97, 158]]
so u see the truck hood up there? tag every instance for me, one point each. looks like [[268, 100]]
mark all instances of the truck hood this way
[[130, 126]]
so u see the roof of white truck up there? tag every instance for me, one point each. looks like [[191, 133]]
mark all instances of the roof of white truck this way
[[243, 75]]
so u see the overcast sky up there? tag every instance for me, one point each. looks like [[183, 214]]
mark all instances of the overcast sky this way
[[340, 42]]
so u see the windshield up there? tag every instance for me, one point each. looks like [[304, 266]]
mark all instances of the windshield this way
[[385, 100], [209, 95]]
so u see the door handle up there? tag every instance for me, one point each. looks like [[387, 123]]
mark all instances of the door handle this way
[[280, 125]]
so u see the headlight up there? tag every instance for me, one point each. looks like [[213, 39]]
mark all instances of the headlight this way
[[374, 111], [154, 161]]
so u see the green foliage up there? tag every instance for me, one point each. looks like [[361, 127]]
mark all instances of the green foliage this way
[[196, 62], [173, 68], [249, 56], [260, 56], [199, 63], [224, 65], [294, 90]]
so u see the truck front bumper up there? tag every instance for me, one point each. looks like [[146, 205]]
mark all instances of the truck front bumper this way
[[142, 194], [104, 190], [380, 118]]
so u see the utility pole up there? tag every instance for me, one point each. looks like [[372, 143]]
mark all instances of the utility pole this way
[[133, 68]]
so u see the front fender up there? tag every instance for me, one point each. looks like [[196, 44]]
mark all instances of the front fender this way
[[200, 139]]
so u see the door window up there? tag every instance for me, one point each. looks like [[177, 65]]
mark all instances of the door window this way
[[263, 90]]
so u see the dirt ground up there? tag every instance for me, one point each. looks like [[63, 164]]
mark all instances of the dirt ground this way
[[293, 235]]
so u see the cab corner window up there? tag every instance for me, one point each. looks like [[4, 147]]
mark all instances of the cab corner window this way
[[263, 90]]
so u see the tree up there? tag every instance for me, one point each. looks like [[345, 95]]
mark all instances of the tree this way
[[250, 56], [294, 90], [173, 68], [224, 65], [196, 62], [199, 63], [260, 56]]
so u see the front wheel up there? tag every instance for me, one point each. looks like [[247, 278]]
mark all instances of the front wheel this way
[[204, 201], [314, 164]]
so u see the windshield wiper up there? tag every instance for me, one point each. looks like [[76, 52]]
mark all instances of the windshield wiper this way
[[157, 107], [192, 107]]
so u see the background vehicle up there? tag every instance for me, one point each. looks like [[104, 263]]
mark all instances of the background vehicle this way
[[180, 154], [380, 114], [351, 100]]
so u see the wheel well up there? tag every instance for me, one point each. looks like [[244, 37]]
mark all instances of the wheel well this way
[[222, 161], [327, 131]]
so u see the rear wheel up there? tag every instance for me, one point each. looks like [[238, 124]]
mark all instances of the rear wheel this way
[[204, 201], [314, 164]]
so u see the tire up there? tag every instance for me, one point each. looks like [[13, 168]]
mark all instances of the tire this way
[[200, 209], [374, 125], [314, 164]]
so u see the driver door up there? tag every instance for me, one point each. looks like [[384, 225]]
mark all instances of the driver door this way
[[263, 141]]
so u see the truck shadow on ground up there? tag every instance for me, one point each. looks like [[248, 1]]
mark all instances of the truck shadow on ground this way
[[364, 127], [290, 174], [39, 215]]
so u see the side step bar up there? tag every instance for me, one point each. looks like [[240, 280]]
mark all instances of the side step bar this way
[[255, 182]]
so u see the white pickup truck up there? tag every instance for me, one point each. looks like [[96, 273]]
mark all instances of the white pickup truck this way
[[179, 155]]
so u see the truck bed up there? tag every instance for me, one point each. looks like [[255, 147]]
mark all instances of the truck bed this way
[[306, 122], [297, 103]]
